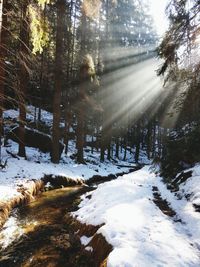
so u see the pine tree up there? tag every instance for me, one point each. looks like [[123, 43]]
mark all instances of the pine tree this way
[[23, 74], [61, 12]]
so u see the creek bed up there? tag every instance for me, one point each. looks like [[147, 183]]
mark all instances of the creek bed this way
[[40, 234]]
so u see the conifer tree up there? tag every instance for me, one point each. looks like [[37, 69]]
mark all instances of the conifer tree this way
[[23, 74], [61, 12]]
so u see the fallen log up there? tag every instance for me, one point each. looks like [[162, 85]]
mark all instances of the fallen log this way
[[34, 138]]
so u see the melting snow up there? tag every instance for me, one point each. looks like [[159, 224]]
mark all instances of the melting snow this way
[[85, 240], [141, 235]]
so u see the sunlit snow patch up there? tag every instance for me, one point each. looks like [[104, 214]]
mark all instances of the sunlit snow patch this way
[[11, 231]]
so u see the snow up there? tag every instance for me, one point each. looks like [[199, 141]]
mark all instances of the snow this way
[[85, 240], [141, 235], [184, 207], [10, 232], [20, 172], [88, 248], [46, 116], [7, 192]]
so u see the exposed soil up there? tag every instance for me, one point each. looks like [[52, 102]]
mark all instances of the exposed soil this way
[[161, 203]]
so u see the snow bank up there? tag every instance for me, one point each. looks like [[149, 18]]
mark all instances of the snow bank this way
[[7, 192], [19, 171], [141, 235], [188, 195]]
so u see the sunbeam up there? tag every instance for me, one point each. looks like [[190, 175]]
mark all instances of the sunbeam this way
[[137, 84]]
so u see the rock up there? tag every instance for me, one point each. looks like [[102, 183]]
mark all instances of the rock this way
[[61, 241]]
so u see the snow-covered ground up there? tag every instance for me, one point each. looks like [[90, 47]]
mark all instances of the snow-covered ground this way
[[32, 114], [20, 171], [188, 195], [141, 235]]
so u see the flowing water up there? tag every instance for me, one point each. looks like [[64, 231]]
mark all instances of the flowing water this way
[[39, 234]]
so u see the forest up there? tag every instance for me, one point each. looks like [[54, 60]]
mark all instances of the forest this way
[[99, 133]]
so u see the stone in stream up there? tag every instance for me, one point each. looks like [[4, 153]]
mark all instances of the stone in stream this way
[[61, 241]]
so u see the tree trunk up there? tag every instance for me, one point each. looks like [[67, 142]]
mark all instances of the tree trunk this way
[[154, 139], [125, 148], [103, 133], [117, 147], [148, 139], [137, 148], [61, 11], [41, 88], [80, 128], [83, 84], [3, 51], [68, 121], [105, 95], [23, 76]]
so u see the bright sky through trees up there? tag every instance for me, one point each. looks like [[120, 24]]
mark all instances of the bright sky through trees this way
[[158, 12]]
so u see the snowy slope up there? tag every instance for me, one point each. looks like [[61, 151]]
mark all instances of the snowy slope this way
[[139, 232], [20, 171], [188, 195]]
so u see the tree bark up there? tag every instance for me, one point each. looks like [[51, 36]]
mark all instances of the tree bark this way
[[23, 76], [148, 139], [61, 10], [105, 95], [3, 51], [138, 138], [81, 108]]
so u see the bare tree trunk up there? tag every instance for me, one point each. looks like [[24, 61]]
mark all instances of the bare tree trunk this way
[[3, 43], [154, 139], [81, 108], [73, 40], [138, 138], [148, 139], [104, 133], [80, 132], [159, 141], [61, 10], [23, 76], [103, 147], [117, 147], [68, 121], [125, 148], [41, 88]]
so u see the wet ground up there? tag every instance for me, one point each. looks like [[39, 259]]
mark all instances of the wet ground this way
[[43, 235]]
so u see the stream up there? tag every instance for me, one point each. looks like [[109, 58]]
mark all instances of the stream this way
[[39, 234]]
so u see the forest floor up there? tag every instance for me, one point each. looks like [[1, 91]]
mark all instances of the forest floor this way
[[145, 223], [19, 172]]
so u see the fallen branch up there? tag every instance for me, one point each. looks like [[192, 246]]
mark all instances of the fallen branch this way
[[13, 155]]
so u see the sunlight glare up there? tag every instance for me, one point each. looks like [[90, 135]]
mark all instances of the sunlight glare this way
[[159, 16]]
